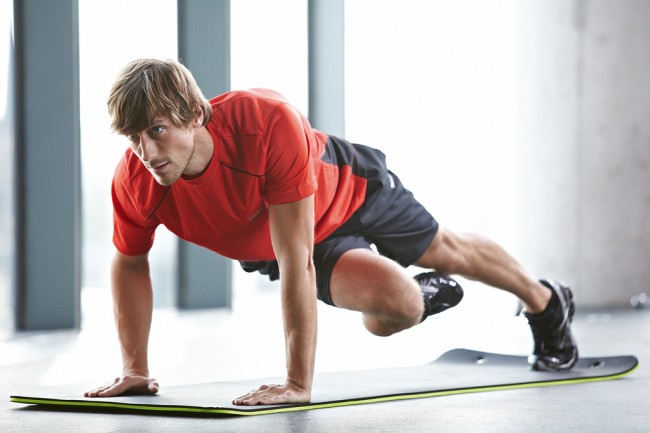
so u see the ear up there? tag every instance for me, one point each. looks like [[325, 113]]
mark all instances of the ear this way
[[198, 118]]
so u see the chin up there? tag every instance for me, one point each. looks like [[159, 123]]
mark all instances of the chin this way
[[165, 181]]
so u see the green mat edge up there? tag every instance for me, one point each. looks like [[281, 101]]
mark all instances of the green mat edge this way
[[311, 406]]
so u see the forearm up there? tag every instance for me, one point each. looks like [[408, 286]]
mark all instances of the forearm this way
[[132, 307], [298, 288], [292, 234]]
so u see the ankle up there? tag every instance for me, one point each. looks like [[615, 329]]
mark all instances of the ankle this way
[[539, 300]]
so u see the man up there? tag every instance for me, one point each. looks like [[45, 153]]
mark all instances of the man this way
[[246, 176]]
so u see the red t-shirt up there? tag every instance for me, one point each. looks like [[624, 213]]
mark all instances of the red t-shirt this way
[[265, 153]]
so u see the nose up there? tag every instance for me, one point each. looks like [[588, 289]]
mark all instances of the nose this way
[[147, 147]]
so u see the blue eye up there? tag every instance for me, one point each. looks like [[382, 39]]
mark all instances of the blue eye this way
[[156, 130]]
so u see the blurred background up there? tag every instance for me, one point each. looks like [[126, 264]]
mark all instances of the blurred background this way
[[523, 120]]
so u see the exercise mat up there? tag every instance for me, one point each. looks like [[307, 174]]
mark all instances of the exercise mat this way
[[457, 371]]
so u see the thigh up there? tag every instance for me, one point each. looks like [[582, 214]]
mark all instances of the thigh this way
[[327, 254], [368, 282]]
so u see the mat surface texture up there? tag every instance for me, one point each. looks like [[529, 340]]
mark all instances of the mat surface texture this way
[[458, 371]]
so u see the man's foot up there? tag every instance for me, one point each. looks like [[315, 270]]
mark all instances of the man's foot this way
[[439, 292], [555, 349]]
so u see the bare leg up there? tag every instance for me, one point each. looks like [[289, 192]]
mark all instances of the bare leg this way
[[388, 297], [478, 258], [391, 300]]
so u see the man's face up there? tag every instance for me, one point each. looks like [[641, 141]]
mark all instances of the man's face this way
[[164, 149]]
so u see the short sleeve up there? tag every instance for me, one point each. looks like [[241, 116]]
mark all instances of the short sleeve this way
[[289, 167], [133, 234]]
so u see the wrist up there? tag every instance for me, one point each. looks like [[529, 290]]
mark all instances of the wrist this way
[[135, 370], [301, 386], [135, 373]]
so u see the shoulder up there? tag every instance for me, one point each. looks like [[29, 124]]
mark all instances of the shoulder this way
[[248, 111], [250, 97], [129, 171], [134, 187], [243, 123]]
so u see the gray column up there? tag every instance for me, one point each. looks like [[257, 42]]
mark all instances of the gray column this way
[[615, 151], [204, 43], [47, 165], [204, 278], [326, 66], [7, 179]]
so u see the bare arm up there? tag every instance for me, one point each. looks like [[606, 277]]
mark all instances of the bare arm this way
[[132, 307], [292, 234]]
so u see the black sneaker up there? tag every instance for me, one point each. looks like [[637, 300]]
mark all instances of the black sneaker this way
[[555, 349], [439, 292]]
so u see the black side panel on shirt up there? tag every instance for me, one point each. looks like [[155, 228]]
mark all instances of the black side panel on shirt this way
[[365, 162]]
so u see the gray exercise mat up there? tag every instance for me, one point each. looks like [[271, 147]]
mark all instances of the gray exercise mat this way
[[458, 371]]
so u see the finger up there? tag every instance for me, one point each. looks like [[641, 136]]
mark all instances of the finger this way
[[269, 399], [95, 392], [113, 390], [251, 395], [153, 387], [138, 386], [123, 385], [276, 394], [265, 394], [266, 398], [246, 400], [240, 400], [132, 385]]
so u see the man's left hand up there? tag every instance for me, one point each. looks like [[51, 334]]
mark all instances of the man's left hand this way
[[290, 392]]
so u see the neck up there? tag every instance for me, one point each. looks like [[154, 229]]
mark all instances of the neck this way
[[202, 154]]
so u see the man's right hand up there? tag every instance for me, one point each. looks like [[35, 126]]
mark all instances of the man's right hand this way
[[128, 384]]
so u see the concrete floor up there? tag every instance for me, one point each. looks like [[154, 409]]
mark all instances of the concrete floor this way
[[246, 342]]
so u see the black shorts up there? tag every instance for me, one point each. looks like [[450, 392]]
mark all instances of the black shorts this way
[[391, 219]]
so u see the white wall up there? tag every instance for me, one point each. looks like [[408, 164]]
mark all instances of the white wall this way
[[584, 145], [104, 50], [527, 121], [433, 85], [547, 151]]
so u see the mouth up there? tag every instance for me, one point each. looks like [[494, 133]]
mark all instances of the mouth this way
[[159, 167]]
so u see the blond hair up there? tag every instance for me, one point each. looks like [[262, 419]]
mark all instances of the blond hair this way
[[148, 88]]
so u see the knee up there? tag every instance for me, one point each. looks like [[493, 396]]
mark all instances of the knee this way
[[393, 315], [405, 306], [384, 327], [377, 328]]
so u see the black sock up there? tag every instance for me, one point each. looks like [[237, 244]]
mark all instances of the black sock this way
[[550, 307]]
